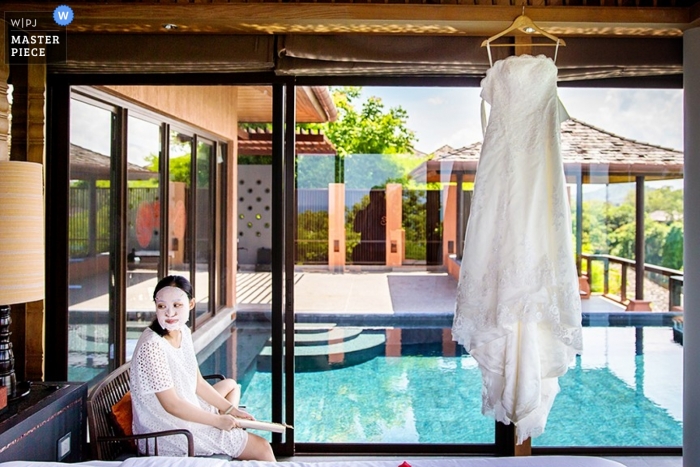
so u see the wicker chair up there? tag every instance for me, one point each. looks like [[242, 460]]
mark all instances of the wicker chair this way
[[106, 442]]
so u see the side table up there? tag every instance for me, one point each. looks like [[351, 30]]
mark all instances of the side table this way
[[49, 424]]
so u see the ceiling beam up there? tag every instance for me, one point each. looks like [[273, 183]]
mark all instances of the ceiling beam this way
[[336, 18]]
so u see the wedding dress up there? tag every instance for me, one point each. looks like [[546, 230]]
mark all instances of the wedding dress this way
[[518, 309]]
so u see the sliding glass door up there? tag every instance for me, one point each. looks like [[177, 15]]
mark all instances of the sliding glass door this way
[[91, 221], [123, 237]]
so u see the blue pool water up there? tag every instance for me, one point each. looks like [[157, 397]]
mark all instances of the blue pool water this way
[[625, 390]]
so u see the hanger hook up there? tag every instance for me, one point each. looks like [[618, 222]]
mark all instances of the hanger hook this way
[[524, 1]]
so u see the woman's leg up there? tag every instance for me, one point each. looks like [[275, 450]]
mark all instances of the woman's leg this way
[[257, 449], [230, 389]]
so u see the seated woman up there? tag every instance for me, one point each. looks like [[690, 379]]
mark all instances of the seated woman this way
[[168, 391]]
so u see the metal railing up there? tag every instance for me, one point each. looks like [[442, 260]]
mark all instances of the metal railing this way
[[671, 278]]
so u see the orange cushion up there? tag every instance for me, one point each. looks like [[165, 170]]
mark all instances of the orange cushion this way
[[122, 416]]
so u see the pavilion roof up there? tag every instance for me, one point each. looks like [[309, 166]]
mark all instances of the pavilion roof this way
[[86, 164], [592, 151], [258, 142]]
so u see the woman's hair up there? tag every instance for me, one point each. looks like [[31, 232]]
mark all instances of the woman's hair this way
[[170, 281]]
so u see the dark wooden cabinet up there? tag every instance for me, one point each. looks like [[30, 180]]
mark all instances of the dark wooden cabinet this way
[[49, 424]]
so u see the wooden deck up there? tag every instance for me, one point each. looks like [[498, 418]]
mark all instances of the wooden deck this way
[[255, 288]]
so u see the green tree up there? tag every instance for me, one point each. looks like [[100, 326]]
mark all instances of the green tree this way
[[312, 237], [673, 247], [179, 167], [623, 242], [665, 199], [315, 171], [594, 230], [619, 216], [372, 129], [610, 229], [655, 234], [414, 224]]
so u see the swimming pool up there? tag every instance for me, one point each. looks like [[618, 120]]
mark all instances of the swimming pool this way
[[625, 390]]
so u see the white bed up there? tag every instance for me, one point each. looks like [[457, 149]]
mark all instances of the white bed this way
[[535, 461]]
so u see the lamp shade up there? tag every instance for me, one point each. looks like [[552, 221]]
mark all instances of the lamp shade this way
[[21, 232]]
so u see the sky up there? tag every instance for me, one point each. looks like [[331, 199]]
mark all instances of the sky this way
[[451, 116]]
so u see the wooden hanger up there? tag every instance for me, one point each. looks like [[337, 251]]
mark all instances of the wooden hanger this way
[[525, 24]]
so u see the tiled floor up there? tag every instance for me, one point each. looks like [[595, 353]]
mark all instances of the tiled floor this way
[[363, 292]]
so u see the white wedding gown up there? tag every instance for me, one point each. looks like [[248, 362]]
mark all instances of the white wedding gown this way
[[518, 309]]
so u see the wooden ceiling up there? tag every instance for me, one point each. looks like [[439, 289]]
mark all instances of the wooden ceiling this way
[[255, 104], [480, 18], [623, 18]]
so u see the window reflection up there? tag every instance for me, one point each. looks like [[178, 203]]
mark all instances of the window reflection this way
[[89, 226], [202, 223], [104, 242], [179, 166], [143, 229]]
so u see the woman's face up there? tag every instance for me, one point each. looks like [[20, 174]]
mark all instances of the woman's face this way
[[172, 308]]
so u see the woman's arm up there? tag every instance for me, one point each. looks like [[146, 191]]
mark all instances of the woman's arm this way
[[180, 408], [207, 392]]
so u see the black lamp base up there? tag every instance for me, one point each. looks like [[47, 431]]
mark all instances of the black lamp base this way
[[7, 359], [22, 390]]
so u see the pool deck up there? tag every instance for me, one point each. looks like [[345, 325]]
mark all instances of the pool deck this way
[[405, 294]]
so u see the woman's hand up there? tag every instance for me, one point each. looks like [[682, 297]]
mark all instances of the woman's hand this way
[[238, 413], [226, 423]]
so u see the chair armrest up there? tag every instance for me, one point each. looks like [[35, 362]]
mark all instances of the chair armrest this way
[[155, 435], [216, 376]]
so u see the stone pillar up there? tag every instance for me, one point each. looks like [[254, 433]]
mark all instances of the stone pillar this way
[[449, 346], [691, 259], [336, 227], [336, 336], [449, 229], [394, 230], [393, 342]]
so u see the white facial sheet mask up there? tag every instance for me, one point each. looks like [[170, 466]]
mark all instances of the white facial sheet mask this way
[[172, 305]]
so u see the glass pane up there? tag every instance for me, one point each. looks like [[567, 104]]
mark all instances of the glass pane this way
[[663, 228], [143, 234], [204, 226], [375, 359], [382, 219], [640, 367], [221, 216], [89, 226], [179, 245], [252, 207], [625, 378]]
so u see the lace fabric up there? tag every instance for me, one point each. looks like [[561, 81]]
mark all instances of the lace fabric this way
[[518, 309], [156, 366]]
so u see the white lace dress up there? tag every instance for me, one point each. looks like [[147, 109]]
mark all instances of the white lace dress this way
[[156, 366], [518, 309]]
